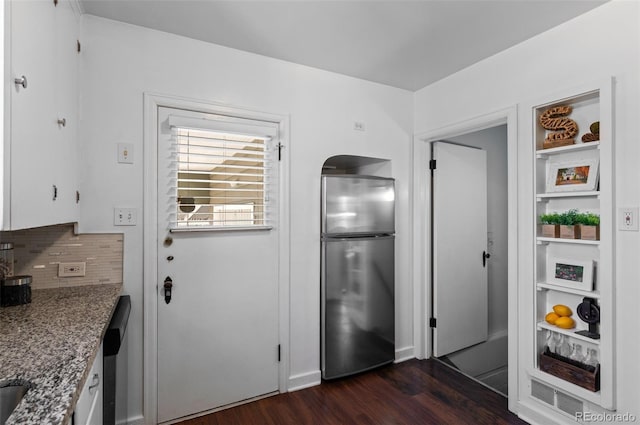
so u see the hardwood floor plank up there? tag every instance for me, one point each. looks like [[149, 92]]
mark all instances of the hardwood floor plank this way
[[409, 393]]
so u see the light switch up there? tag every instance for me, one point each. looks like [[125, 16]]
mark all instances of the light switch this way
[[125, 217], [125, 153]]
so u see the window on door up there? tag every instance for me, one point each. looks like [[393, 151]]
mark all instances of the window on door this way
[[222, 176]]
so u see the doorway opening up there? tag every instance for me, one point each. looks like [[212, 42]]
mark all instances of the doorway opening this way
[[486, 360]]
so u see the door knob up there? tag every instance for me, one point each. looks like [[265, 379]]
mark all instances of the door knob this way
[[22, 81], [168, 285]]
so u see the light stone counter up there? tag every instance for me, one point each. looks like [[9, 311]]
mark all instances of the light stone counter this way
[[51, 344]]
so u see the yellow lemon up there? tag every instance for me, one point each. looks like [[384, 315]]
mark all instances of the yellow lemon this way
[[551, 318], [565, 322], [562, 310]]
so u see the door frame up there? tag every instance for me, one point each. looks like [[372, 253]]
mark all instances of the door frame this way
[[421, 212], [150, 236]]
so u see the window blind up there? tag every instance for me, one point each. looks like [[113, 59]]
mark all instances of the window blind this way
[[223, 175]]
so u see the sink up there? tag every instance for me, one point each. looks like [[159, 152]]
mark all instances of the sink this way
[[10, 396]]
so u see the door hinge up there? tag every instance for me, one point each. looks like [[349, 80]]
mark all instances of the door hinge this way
[[432, 164], [78, 46], [279, 357], [432, 322], [280, 146]]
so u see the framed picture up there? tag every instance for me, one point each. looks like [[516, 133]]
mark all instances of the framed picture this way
[[575, 175], [574, 274]]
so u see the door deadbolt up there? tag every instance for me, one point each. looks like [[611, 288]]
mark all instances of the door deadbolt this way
[[168, 241]]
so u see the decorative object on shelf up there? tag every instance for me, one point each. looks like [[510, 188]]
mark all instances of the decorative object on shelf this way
[[595, 133], [550, 225], [571, 225], [574, 175], [589, 312], [560, 317], [574, 274], [562, 347], [578, 373], [589, 224], [592, 357], [563, 129], [568, 221]]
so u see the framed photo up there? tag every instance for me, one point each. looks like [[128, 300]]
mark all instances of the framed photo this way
[[574, 274], [574, 175]]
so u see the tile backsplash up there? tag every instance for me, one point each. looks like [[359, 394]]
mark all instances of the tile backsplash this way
[[38, 251]]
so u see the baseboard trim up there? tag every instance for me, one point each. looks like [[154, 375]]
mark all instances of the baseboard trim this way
[[304, 380], [404, 354]]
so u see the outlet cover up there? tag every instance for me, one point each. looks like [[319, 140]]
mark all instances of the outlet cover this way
[[72, 269], [628, 219]]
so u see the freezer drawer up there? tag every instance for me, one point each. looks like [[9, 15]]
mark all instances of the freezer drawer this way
[[357, 204], [358, 329]]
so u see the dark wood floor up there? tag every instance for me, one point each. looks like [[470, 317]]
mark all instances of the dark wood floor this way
[[415, 392]]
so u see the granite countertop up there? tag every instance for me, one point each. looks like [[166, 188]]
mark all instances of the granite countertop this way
[[51, 344]]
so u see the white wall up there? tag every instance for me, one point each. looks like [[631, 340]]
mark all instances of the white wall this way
[[120, 62], [604, 42]]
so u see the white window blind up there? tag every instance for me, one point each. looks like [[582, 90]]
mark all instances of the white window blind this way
[[223, 174]]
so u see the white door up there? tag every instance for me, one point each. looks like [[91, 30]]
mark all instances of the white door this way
[[218, 335], [460, 294]]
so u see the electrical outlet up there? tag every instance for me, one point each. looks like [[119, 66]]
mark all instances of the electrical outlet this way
[[628, 219], [125, 217], [72, 269]]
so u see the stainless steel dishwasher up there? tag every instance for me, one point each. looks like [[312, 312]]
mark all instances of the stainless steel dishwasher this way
[[115, 365]]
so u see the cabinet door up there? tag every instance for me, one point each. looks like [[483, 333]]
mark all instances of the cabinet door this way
[[65, 155], [88, 410], [33, 119]]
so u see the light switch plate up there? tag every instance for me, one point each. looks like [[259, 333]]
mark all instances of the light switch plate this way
[[125, 153], [125, 217]]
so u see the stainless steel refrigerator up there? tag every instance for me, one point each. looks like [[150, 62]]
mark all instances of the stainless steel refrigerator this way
[[357, 279]]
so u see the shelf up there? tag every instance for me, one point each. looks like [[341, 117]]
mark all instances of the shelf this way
[[545, 153], [544, 241], [568, 332], [548, 286], [543, 197], [593, 397]]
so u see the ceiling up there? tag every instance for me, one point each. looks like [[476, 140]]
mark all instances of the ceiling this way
[[405, 44]]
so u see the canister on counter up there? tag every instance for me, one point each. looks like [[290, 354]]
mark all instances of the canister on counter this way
[[6, 259], [15, 290]]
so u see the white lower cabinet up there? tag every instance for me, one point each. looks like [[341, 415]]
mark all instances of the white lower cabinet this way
[[89, 406]]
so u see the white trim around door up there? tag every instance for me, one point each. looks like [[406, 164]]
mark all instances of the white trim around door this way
[[150, 285], [422, 232]]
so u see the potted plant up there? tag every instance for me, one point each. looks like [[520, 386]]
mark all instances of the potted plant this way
[[589, 224], [568, 224], [550, 225]]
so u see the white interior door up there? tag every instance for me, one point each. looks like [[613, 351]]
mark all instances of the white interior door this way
[[218, 335], [460, 294]]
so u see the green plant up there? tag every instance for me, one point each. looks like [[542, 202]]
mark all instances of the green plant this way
[[588, 219], [569, 218], [551, 218]]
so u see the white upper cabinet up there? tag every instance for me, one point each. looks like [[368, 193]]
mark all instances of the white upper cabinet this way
[[40, 164]]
